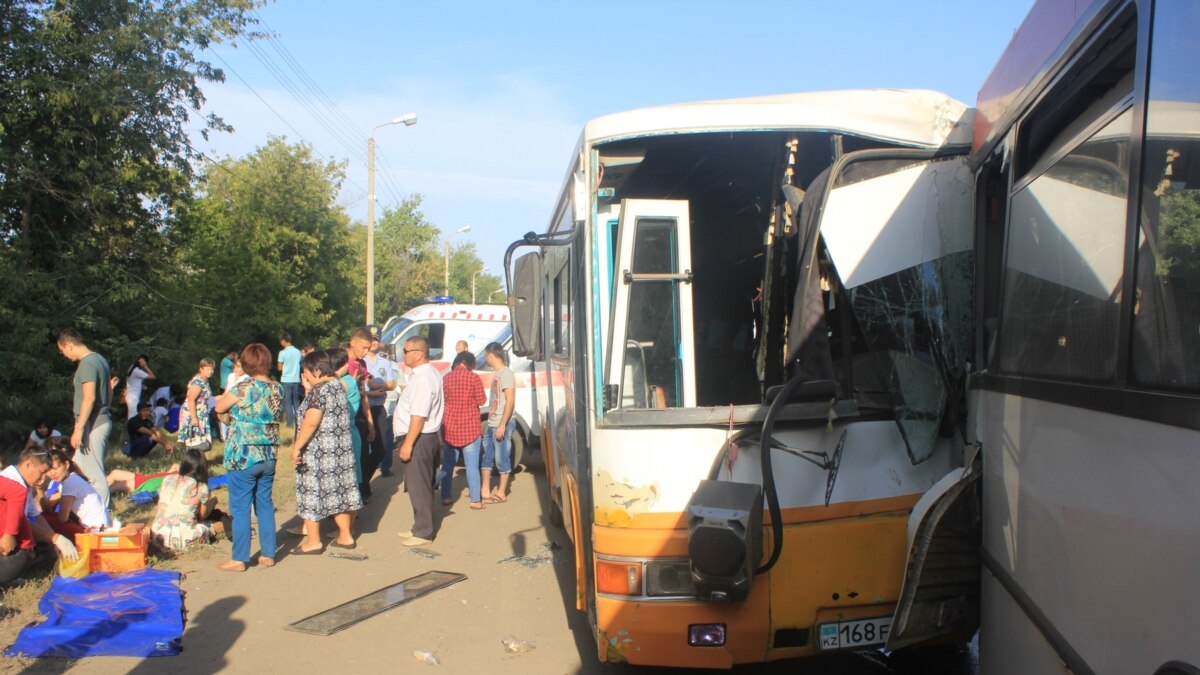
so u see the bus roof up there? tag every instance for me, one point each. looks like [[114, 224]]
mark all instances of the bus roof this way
[[911, 117], [1044, 38]]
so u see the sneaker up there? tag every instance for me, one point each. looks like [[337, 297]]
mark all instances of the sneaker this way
[[385, 473], [416, 541]]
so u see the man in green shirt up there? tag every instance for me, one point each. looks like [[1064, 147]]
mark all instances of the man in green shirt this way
[[93, 394]]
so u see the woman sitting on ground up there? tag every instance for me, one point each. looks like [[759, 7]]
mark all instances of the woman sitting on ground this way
[[79, 506], [185, 507], [43, 432]]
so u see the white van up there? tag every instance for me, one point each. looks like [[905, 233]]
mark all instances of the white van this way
[[443, 326]]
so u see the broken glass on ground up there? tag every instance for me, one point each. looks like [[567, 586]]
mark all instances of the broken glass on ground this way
[[534, 561]]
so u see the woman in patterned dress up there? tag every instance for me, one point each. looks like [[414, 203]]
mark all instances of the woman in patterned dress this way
[[339, 360], [255, 408], [323, 455], [184, 504], [193, 416]]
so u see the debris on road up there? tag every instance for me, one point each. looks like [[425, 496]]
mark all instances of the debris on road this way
[[514, 646], [427, 657], [348, 556], [424, 553], [533, 561]]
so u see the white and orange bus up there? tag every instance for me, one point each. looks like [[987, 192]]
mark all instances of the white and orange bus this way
[[759, 445]]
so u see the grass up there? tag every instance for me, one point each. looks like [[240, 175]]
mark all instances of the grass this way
[[19, 601]]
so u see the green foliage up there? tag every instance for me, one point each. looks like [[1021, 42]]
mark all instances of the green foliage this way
[[408, 259], [410, 262], [1180, 234], [268, 250], [94, 163]]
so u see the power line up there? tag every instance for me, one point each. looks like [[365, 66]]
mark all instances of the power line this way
[[304, 102], [336, 115]]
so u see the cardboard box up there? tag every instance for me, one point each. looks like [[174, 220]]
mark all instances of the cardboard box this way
[[122, 550]]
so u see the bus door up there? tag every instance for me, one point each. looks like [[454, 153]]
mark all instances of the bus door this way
[[652, 348], [897, 228]]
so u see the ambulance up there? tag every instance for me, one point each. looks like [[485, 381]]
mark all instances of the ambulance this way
[[443, 325]]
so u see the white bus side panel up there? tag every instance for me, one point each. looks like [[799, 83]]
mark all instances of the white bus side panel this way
[[1094, 517]]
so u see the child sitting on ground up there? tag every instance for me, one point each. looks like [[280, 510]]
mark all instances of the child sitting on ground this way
[[159, 414], [79, 506], [185, 508]]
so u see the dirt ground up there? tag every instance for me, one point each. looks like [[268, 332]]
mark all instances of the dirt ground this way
[[236, 621]]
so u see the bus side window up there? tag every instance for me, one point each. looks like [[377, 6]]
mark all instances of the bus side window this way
[[1064, 264], [1166, 322]]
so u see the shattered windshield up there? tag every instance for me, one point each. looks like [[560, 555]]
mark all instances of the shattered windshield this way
[[898, 234]]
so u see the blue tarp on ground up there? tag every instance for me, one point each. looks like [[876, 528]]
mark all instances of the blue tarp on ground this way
[[131, 614], [151, 497]]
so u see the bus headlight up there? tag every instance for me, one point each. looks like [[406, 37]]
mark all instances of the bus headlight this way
[[673, 577]]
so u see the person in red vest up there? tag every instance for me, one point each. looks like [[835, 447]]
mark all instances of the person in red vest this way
[[16, 534]]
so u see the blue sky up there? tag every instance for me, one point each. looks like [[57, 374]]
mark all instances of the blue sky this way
[[502, 89]]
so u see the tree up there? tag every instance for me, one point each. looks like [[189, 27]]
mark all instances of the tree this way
[[268, 250], [408, 259], [410, 262], [94, 163]]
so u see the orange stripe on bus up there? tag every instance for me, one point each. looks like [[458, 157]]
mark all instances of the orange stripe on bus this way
[[665, 534]]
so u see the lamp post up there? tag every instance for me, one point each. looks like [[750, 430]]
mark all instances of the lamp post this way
[[462, 230], [407, 120], [475, 275]]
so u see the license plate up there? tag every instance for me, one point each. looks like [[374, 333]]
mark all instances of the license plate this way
[[860, 633]]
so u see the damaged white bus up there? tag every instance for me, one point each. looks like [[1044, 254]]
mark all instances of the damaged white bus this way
[[756, 318]]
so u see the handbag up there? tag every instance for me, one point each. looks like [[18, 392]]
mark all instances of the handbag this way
[[197, 443]]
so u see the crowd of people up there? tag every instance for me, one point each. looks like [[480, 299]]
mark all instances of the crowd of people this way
[[353, 410]]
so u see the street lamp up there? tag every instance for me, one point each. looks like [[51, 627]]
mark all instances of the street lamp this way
[[407, 120], [473, 277], [462, 230]]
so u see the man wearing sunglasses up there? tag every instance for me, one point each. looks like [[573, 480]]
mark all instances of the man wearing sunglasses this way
[[417, 425]]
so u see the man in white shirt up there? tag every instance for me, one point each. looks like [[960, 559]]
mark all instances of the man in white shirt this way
[[417, 423], [381, 381]]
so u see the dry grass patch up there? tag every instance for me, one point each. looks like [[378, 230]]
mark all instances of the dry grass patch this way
[[18, 602]]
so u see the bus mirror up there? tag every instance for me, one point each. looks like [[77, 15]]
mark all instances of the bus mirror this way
[[724, 538], [525, 306]]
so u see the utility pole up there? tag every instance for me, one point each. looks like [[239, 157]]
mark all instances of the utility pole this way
[[371, 229], [407, 120]]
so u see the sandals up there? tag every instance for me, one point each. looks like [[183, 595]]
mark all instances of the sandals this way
[[299, 550], [477, 506], [496, 499], [232, 566], [349, 547]]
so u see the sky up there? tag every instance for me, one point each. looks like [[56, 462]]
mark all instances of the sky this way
[[502, 89]]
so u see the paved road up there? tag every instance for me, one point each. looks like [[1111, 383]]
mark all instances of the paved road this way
[[519, 584]]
